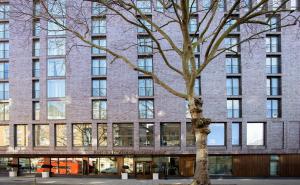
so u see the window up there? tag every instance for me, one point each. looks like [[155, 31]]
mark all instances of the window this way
[[197, 87], [145, 64], [274, 23], [98, 26], [56, 88], [193, 6], [233, 108], [272, 44], [146, 109], [35, 89], [145, 87], [4, 11], [159, 6], [56, 110], [144, 45], [276, 4], [233, 86], [197, 63], [273, 65], [98, 9], [273, 108], [36, 7], [235, 133], [99, 109], [4, 30], [217, 134], [36, 28], [146, 134], [274, 165], [56, 46], [41, 135], [99, 67], [102, 134], [206, 4], [82, 135], [21, 132], [56, 27], [4, 135], [99, 87], [231, 21], [255, 133], [193, 24], [106, 165], [36, 110], [123, 134], [220, 165], [36, 48], [143, 23], [56, 67], [36, 69], [60, 135], [273, 86], [57, 7], [4, 50], [144, 6], [294, 5], [101, 42], [232, 65], [4, 70], [231, 44], [170, 134], [4, 111], [190, 135], [4, 90]]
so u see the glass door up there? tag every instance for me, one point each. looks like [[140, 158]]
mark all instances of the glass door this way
[[143, 170]]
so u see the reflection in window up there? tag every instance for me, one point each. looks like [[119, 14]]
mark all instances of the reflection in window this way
[[145, 87], [57, 7], [233, 108], [56, 88], [168, 165], [123, 134], [36, 48], [273, 65], [272, 44], [54, 27], [4, 30], [107, 165], [4, 11], [98, 9], [99, 109], [128, 162], [56, 67], [102, 134], [146, 109], [144, 45], [99, 87], [82, 135], [4, 91], [21, 135], [36, 69], [56, 110], [190, 135], [4, 111], [146, 135], [217, 134], [273, 108], [60, 135], [170, 134], [41, 135], [232, 65], [35, 89], [98, 26], [4, 50], [145, 64], [4, 161], [220, 165], [101, 42], [255, 134], [235, 133], [56, 46], [36, 110], [4, 135], [98, 67]]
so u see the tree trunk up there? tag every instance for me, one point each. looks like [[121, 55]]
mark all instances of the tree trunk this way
[[201, 130]]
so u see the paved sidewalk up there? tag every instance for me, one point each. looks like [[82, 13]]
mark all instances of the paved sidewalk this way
[[101, 181]]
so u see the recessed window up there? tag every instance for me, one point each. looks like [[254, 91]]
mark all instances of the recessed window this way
[[4, 50], [231, 44], [56, 110], [4, 11], [4, 30], [21, 133], [35, 89], [145, 64], [273, 86], [4, 90], [36, 28], [231, 21], [36, 69], [146, 109], [60, 135], [56, 67], [56, 46], [36, 110], [217, 134], [233, 86], [101, 42], [36, 7], [273, 65], [123, 134], [145, 87], [273, 108], [4, 135], [56, 27], [272, 44], [56, 88], [170, 134], [144, 6], [36, 48], [4, 111], [274, 23], [144, 23], [99, 67], [98, 26], [235, 133], [233, 108], [99, 87], [255, 134], [193, 24], [82, 135], [98, 9], [102, 134], [57, 7], [232, 65], [190, 135], [99, 109], [4, 70], [192, 6], [144, 44], [146, 134], [41, 135]]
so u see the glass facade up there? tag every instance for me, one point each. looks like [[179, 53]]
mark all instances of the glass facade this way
[[105, 165], [21, 135], [170, 134], [102, 134], [60, 135], [217, 134], [41, 135], [56, 110], [123, 134], [146, 134], [82, 135], [220, 165]]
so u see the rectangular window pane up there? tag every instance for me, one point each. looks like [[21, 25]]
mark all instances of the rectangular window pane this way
[[41, 135], [82, 135], [4, 135], [56, 27], [255, 133], [60, 135], [56, 67], [146, 109], [36, 69], [190, 135], [145, 87], [123, 134], [217, 134], [4, 30], [170, 134], [4, 50], [98, 26], [36, 111], [145, 64], [101, 42], [4, 90], [99, 67], [56, 110], [99, 109], [21, 133], [56, 46], [4, 111], [99, 87], [235, 133], [146, 133], [102, 134], [144, 45], [4, 11], [36, 89], [56, 88]]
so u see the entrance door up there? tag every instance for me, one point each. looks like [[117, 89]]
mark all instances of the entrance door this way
[[143, 170]]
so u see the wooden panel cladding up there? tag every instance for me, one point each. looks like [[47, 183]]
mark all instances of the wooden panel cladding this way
[[251, 165], [289, 165], [187, 166]]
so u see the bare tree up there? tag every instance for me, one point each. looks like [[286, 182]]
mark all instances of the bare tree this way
[[209, 34]]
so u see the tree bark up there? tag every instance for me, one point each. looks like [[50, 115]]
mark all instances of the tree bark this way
[[201, 130]]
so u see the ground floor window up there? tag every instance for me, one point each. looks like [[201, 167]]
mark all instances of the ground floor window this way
[[4, 161], [68, 166], [274, 165], [220, 165], [31, 165], [168, 166], [105, 165]]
